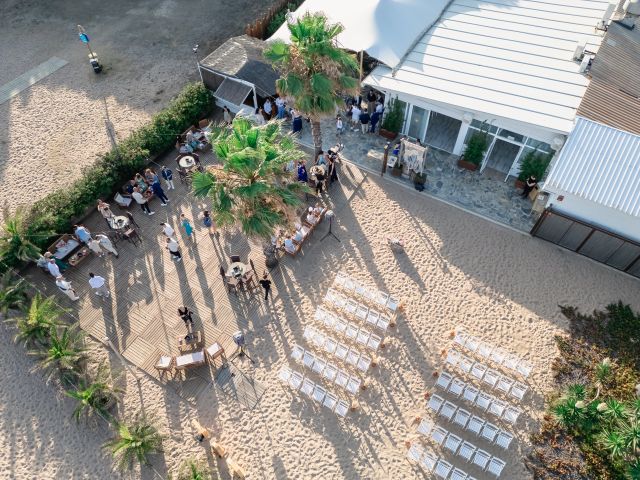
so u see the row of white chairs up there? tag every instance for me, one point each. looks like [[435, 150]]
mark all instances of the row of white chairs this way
[[350, 355], [358, 310], [486, 375], [430, 462], [327, 370], [482, 401], [350, 330], [373, 295], [497, 355], [462, 448], [297, 381]]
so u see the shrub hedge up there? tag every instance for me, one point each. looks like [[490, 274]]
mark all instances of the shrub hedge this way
[[56, 211]]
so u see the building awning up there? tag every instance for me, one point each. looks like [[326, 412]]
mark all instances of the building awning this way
[[600, 164], [232, 91]]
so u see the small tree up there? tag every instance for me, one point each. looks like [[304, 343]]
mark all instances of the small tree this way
[[534, 164], [134, 442], [393, 116], [16, 238], [63, 355], [194, 470], [96, 397], [252, 188], [476, 148], [315, 71], [35, 324]]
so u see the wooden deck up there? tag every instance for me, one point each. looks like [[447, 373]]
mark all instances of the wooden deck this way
[[147, 288]]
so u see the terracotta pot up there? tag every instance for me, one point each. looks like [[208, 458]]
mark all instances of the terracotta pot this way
[[467, 165], [387, 134], [519, 184]]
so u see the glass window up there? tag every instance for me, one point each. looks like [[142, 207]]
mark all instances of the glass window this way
[[484, 125], [509, 135], [403, 108], [417, 122], [545, 147]]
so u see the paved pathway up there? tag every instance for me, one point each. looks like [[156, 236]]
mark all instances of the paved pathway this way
[[24, 81]]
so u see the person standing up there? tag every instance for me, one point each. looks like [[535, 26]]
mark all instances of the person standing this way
[[167, 174], [142, 201], [82, 233], [302, 172], [94, 246], [266, 284], [529, 185], [65, 287], [339, 126], [355, 117], [53, 268], [99, 285], [158, 192], [333, 170], [268, 109], [174, 249], [106, 244], [226, 115], [371, 100], [364, 121], [207, 221], [168, 230], [105, 210], [186, 315], [375, 118], [280, 105], [188, 228], [259, 117]]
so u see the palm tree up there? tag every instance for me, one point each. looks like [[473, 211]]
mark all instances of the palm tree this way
[[64, 353], [16, 238], [36, 323], [13, 292], [315, 71], [134, 442], [252, 188], [96, 397], [193, 470]]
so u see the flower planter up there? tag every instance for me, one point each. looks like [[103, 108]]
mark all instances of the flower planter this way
[[387, 134], [519, 184], [467, 165]]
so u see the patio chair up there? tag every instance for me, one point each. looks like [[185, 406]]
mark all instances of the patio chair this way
[[483, 400], [363, 337], [495, 466], [392, 304], [467, 450], [233, 285], [481, 458], [448, 410], [353, 385], [372, 318], [352, 357], [383, 322], [497, 408], [374, 342], [308, 359], [429, 461], [504, 384], [340, 326], [470, 394], [297, 353], [351, 306], [341, 351], [461, 417], [352, 331], [165, 364], [308, 387], [491, 377], [498, 355], [442, 469], [456, 387], [489, 431], [319, 366], [318, 339], [452, 443], [319, 393], [330, 372], [295, 381], [425, 427], [362, 311], [435, 402], [475, 424], [415, 453], [330, 401], [444, 379], [132, 219], [330, 345], [458, 474], [438, 434], [478, 370], [511, 415], [235, 258], [518, 390], [465, 364], [364, 363], [122, 201], [342, 379], [342, 408], [511, 362], [504, 439], [131, 235], [204, 123]]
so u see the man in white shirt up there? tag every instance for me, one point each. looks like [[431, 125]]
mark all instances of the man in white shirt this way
[[289, 245], [174, 249], [53, 268], [142, 201], [268, 108], [105, 243], [99, 285], [168, 230], [65, 287]]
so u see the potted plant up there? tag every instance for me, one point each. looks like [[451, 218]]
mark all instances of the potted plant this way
[[532, 164], [392, 120], [474, 153], [419, 179]]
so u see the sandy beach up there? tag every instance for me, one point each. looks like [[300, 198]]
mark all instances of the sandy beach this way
[[456, 271]]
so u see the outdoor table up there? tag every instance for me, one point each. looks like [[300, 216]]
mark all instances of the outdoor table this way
[[68, 247], [190, 360], [79, 256], [187, 162], [118, 222], [195, 340], [237, 269]]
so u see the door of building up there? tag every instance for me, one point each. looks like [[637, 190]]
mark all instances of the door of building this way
[[501, 155], [442, 131]]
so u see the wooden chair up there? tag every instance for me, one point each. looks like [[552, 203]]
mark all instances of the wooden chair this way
[[232, 285], [132, 220], [204, 123], [132, 236], [165, 364], [295, 252], [122, 201]]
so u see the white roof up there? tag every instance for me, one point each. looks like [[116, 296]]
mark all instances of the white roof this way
[[506, 58], [601, 164], [385, 29]]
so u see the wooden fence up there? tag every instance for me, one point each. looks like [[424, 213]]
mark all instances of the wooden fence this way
[[258, 29]]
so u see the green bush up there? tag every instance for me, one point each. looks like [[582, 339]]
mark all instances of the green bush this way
[[534, 163], [393, 117], [280, 17], [55, 212], [476, 147]]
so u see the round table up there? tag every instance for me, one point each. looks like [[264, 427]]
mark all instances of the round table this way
[[241, 269], [118, 222], [187, 162]]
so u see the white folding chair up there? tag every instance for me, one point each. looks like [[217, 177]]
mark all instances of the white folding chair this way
[[353, 385], [374, 342], [308, 333], [320, 314], [363, 337], [444, 379], [383, 322], [330, 401], [330, 345], [415, 453], [481, 458], [364, 363], [498, 355], [362, 311], [438, 434], [460, 339], [472, 343], [319, 393], [456, 387], [284, 375], [467, 450], [504, 384], [443, 469], [489, 431], [341, 277], [465, 364], [452, 443], [458, 474], [308, 359], [351, 306], [518, 390], [470, 393], [308, 387], [340, 325], [297, 353], [319, 366], [483, 401], [330, 295], [349, 284], [504, 439], [296, 380], [342, 379], [497, 408], [425, 427], [342, 408], [352, 357], [329, 320], [448, 410], [372, 318], [429, 461], [511, 362], [484, 350], [491, 377], [382, 298], [340, 301], [318, 339], [360, 290], [511, 414], [495, 466], [524, 368], [461, 417], [392, 304], [435, 402], [478, 370], [453, 358], [475, 424], [351, 332], [341, 351], [330, 372]]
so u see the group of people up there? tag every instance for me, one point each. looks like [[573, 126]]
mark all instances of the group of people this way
[[194, 139], [97, 283], [321, 177], [143, 188], [362, 118], [98, 244], [290, 241]]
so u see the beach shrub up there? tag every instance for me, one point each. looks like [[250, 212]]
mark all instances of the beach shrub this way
[[96, 396], [35, 323], [134, 442], [13, 292], [193, 470], [17, 238], [63, 355], [534, 163]]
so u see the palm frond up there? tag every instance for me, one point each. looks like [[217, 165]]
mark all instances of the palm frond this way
[[202, 183]]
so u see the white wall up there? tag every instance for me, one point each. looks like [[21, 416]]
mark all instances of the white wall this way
[[613, 220]]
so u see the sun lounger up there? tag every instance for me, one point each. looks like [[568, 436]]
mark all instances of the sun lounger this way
[[351, 332], [330, 345], [319, 365], [461, 417], [297, 353], [475, 424], [443, 380], [330, 372], [511, 414], [425, 427], [504, 384], [518, 390], [491, 377], [489, 431], [481, 458], [341, 351], [458, 474], [504, 439], [442, 469], [478, 370], [465, 364], [295, 381], [460, 338], [452, 443], [453, 358], [364, 363], [448, 410], [342, 378], [308, 358], [319, 393], [484, 350], [353, 385], [165, 363], [483, 401], [435, 402], [497, 408], [352, 357], [438, 434], [470, 393], [456, 387], [467, 450], [495, 466]]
